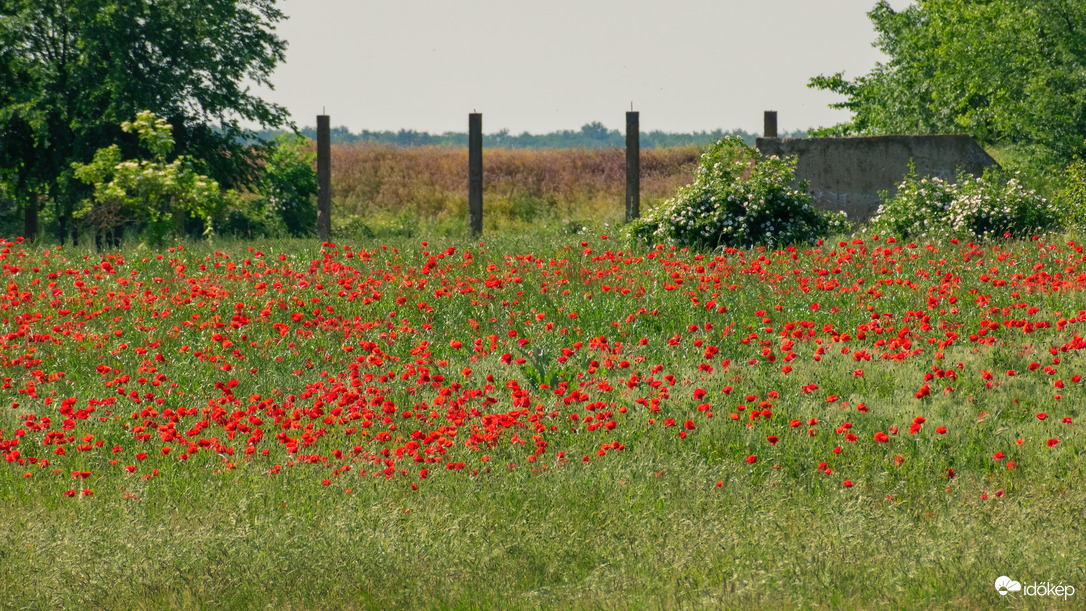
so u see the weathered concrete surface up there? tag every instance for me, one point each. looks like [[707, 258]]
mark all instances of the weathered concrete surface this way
[[848, 173]]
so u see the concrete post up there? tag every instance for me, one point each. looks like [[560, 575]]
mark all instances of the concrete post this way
[[633, 167], [475, 172], [770, 124], [324, 179]]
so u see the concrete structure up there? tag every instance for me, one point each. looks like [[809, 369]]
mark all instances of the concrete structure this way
[[848, 173]]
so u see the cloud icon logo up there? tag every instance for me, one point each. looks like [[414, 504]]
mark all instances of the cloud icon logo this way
[[1005, 584]]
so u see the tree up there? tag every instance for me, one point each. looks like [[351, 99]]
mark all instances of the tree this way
[[71, 71], [1004, 71]]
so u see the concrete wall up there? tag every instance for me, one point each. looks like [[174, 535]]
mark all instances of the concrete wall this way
[[848, 173]]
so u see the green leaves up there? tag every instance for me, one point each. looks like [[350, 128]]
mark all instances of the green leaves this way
[[1007, 71], [991, 206], [154, 191], [71, 72], [738, 198], [288, 186], [155, 134]]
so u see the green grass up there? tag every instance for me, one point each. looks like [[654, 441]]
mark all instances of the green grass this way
[[646, 526]]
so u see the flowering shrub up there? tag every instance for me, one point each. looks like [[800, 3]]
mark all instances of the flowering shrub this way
[[991, 205], [157, 194], [738, 198]]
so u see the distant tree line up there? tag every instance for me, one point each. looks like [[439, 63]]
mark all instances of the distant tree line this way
[[591, 136]]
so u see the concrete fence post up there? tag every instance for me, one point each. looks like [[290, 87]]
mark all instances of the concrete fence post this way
[[475, 172], [324, 179], [633, 166], [770, 124]]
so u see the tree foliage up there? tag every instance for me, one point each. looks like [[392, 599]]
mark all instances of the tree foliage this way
[[71, 71], [1004, 71], [590, 136]]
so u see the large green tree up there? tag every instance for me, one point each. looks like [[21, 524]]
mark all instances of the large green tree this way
[[71, 71], [1004, 71]]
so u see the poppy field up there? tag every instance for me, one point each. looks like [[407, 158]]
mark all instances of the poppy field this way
[[540, 421]]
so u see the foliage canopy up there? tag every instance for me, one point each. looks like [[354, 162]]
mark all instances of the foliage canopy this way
[[71, 71], [1003, 71]]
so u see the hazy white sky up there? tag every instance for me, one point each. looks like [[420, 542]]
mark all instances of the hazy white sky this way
[[545, 65]]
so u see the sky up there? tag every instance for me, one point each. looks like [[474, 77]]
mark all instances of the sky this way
[[548, 65]]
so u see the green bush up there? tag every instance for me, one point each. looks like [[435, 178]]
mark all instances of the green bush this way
[[738, 198], [991, 205], [158, 195], [1071, 197], [288, 186]]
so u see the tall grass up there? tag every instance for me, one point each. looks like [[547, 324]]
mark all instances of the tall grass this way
[[521, 187], [678, 517]]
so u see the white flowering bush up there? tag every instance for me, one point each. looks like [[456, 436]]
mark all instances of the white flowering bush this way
[[156, 194], [991, 205], [738, 198]]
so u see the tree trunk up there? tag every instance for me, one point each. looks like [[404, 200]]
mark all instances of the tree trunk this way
[[62, 228], [30, 219]]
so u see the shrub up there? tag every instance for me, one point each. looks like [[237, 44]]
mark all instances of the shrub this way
[[738, 198], [991, 205], [249, 218], [288, 186], [157, 194], [1071, 197]]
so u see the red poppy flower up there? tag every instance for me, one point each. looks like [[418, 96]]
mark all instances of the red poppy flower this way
[[1052, 442], [752, 459]]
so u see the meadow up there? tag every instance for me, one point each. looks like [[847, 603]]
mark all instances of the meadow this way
[[541, 421], [382, 189]]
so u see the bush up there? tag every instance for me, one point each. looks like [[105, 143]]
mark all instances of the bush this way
[[288, 186], [992, 205], [738, 198], [249, 219], [1071, 197], [159, 196]]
